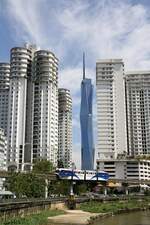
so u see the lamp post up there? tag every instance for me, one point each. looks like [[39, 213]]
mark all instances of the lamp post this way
[[97, 172], [71, 201], [71, 186]]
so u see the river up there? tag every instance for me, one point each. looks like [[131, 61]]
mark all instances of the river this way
[[136, 218]]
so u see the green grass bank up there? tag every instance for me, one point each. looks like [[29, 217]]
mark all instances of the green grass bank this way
[[36, 219], [115, 207]]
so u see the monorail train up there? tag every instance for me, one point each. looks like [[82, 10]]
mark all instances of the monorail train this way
[[88, 175]]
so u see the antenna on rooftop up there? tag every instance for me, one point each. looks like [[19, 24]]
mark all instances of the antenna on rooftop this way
[[83, 65]]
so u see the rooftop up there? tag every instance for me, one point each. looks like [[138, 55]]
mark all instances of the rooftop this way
[[138, 72], [109, 61]]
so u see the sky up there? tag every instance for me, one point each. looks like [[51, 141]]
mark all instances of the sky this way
[[101, 28]]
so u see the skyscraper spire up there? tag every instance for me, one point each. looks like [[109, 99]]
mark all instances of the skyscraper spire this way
[[83, 65]]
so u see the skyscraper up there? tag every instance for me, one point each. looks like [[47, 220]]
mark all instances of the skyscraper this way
[[45, 114], [4, 94], [111, 112], [3, 151], [87, 144], [64, 127], [138, 112], [20, 72], [32, 130]]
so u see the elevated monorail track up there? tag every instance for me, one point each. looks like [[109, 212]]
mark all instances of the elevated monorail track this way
[[53, 176]]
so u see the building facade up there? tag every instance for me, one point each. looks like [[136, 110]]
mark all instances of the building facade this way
[[138, 112], [4, 94], [20, 72], [111, 111], [3, 151], [126, 169], [86, 123], [64, 128], [32, 129], [45, 110]]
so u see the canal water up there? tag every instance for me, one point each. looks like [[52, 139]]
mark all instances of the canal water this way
[[136, 218]]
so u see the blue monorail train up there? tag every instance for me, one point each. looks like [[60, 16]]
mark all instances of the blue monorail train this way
[[89, 175]]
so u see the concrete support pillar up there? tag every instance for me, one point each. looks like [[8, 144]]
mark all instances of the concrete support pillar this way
[[46, 188], [71, 189], [126, 190], [105, 190]]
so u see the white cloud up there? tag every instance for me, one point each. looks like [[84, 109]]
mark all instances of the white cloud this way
[[76, 156], [26, 20], [103, 28], [110, 30], [71, 78], [76, 123]]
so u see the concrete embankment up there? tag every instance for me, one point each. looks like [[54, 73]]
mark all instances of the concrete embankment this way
[[29, 207]]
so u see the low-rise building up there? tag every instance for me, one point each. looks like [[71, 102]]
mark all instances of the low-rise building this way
[[126, 169]]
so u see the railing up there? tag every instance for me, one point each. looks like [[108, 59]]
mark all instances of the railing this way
[[4, 202]]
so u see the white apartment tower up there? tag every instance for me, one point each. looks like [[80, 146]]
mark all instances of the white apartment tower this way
[[45, 115], [4, 94], [138, 112], [20, 73], [64, 127], [111, 112], [3, 151]]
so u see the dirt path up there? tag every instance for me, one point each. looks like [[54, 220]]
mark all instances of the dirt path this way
[[73, 217]]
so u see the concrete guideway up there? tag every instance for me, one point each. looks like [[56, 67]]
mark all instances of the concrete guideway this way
[[52, 176]]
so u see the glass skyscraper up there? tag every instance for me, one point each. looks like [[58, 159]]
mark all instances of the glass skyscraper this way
[[87, 145]]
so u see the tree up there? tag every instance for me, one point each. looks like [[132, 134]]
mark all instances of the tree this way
[[82, 188], [42, 166], [59, 187], [25, 185], [30, 184]]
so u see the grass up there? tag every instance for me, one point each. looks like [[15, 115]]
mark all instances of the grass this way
[[114, 207], [36, 219]]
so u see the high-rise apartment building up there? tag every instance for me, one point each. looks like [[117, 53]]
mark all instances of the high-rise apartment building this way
[[138, 112], [29, 109], [3, 151], [20, 73], [4, 94], [111, 112], [64, 127], [45, 112], [86, 115]]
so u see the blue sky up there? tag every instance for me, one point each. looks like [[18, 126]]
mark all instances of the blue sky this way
[[101, 28]]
